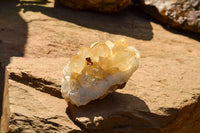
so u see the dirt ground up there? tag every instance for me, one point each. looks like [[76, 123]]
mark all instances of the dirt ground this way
[[37, 29]]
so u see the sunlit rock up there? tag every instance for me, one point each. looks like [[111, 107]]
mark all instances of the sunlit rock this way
[[99, 70]]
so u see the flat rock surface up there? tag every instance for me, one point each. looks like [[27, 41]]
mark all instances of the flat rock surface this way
[[161, 95], [152, 98]]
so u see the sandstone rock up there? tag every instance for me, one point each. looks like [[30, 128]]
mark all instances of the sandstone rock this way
[[37, 73], [28, 109], [97, 5], [183, 14], [34, 111], [157, 98]]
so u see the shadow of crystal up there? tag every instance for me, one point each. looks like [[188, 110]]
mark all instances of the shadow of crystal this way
[[116, 110]]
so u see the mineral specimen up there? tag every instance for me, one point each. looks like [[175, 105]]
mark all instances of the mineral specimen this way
[[180, 14], [99, 70]]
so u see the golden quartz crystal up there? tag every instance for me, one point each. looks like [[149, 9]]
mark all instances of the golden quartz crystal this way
[[99, 70]]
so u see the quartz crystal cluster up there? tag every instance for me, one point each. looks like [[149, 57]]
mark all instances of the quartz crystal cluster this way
[[97, 71]]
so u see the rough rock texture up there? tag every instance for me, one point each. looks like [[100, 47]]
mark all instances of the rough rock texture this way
[[30, 110], [107, 6], [182, 14], [158, 97]]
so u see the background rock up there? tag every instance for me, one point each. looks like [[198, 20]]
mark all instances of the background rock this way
[[182, 14], [107, 6]]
